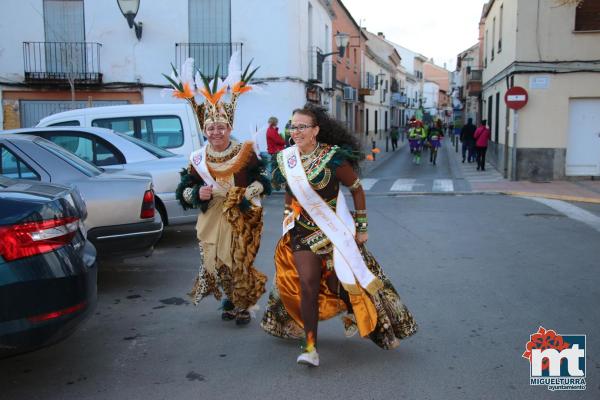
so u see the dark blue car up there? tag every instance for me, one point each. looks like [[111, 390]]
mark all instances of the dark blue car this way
[[47, 267]]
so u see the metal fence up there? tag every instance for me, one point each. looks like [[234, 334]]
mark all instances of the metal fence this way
[[207, 56], [62, 61]]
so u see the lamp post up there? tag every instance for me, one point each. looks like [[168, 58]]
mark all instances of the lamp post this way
[[129, 9], [341, 41]]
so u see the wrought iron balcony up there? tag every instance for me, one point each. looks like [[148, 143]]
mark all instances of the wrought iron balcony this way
[[59, 62], [208, 56]]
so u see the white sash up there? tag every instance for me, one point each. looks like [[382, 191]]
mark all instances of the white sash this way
[[339, 227], [198, 160]]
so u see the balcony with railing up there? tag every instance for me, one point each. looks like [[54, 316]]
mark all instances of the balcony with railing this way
[[208, 56], [474, 80], [60, 62]]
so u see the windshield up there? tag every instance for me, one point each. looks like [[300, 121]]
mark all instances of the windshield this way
[[76, 162], [149, 147]]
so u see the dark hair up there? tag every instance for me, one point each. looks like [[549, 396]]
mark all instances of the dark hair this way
[[332, 132], [484, 122]]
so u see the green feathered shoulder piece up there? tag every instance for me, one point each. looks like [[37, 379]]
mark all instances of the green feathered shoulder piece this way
[[189, 198]]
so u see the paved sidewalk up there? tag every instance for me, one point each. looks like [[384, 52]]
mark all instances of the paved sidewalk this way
[[366, 166], [491, 181]]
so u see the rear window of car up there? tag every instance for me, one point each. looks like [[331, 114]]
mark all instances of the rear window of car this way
[[164, 131], [12, 166], [78, 163], [149, 147]]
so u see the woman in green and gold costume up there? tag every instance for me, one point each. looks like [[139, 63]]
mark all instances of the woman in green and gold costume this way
[[308, 285]]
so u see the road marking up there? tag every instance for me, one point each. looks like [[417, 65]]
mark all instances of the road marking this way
[[443, 185], [368, 183], [571, 211], [403, 185]]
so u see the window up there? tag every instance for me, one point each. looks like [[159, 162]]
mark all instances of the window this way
[[500, 28], [493, 35], [13, 167], [587, 16], [91, 149], [163, 131], [155, 150], [79, 164], [210, 32]]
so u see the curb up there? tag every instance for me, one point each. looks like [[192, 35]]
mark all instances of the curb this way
[[551, 196]]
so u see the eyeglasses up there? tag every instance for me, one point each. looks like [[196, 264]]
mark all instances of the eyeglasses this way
[[213, 129], [300, 128]]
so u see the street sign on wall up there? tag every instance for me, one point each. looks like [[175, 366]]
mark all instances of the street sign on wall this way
[[516, 97]]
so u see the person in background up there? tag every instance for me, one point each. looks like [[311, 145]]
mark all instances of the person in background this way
[[394, 135], [275, 142], [482, 136], [468, 141]]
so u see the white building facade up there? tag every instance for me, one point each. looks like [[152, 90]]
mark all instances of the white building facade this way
[[98, 52]]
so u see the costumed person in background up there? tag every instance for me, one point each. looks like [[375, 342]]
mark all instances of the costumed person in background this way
[[434, 136], [225, 180], [416, 137], [322, 266]]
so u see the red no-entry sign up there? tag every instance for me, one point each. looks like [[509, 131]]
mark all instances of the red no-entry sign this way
[[516, 97]]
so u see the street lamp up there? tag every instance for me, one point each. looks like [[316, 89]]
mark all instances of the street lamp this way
[[341, 41], [129, 9]]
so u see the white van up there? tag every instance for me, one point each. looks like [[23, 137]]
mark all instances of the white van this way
[[171, 126]]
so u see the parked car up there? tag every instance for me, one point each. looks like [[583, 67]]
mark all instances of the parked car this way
[[121, 213], [169, 126], [47, 267], [109, 149]]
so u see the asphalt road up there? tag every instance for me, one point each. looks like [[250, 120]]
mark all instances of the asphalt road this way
[[480, 274]]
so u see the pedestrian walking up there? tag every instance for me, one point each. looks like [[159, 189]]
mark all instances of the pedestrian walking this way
[[468, 141], [322, 266], [225, 180], [482, 136], [394, 135], [275, 143]]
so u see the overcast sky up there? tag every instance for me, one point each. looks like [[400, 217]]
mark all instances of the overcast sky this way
[[439, 29]]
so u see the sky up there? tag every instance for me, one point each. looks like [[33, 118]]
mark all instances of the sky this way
[[438, 29]]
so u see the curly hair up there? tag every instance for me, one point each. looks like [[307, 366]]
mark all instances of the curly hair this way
[[332, 132]]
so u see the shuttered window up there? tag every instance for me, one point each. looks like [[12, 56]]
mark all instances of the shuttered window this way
[[587, 16], [63, 21], [210, 33]]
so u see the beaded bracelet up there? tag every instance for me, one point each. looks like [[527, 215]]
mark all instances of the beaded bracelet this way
[[360, 220]]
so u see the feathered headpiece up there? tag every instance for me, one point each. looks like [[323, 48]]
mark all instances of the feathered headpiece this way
[[187, 85]]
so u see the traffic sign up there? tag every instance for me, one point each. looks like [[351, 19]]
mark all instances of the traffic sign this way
[[516, 97]]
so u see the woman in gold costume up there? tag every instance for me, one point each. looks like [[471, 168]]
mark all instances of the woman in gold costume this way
[[322, 266], [226, 180]]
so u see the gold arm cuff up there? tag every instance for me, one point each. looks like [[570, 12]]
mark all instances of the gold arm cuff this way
[[355, 185]]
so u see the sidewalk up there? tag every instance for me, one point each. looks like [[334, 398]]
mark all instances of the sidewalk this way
[[366, 166], [491, 181]]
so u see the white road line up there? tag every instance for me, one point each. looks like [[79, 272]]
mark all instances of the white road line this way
[[571, 211], [443, 185], [368, 183], [403, 185]]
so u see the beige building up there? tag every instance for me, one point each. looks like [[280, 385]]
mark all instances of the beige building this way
[[554, 53]]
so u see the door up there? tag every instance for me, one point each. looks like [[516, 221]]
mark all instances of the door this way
[[583, 142]]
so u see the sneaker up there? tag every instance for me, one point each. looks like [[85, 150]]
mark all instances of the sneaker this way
[[350, 328], [310, 358]]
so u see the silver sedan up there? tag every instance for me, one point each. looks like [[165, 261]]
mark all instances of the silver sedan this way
[[109, 149], [121, 213]]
